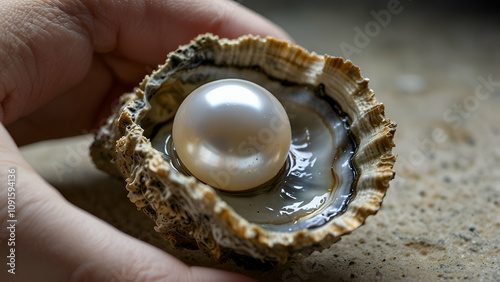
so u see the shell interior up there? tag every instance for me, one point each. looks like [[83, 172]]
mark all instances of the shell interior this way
[[315, 184]]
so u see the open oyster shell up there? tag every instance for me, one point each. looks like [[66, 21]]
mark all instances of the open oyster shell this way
[[191, 214]]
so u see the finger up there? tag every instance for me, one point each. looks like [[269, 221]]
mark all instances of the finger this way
[[43, 52], [50, 45], [55, 241], [150, 29], [73, 113]]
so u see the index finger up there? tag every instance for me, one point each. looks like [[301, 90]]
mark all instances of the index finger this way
[[145, 31]]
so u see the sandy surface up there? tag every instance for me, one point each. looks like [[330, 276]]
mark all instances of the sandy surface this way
[[441, 216]]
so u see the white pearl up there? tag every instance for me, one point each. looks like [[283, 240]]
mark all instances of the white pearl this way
[[232, 134]]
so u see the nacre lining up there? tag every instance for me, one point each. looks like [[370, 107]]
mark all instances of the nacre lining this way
[[319, 174]]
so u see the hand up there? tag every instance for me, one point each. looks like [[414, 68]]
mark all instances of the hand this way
[[62, 64]]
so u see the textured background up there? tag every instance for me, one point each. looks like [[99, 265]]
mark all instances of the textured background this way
[[429, 63]]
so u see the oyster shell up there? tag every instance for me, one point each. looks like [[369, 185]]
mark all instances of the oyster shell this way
[[191, 214]]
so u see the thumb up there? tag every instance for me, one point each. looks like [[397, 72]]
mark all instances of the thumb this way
[[56, 241]]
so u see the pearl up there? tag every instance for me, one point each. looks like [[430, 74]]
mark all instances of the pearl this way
[[232, 134]]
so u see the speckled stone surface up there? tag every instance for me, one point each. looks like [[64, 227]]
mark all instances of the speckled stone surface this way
[[436, 69]]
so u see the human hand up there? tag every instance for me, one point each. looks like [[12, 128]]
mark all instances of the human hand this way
[[62, 64]]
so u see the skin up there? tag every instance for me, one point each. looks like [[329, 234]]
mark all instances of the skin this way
[[62, 66]]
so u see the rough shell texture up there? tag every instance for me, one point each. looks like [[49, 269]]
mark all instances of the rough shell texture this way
[[189, 213]]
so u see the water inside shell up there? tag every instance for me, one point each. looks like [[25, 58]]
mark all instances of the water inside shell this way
[[316, 182]]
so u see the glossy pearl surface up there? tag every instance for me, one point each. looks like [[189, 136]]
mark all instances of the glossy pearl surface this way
[[232, 134]]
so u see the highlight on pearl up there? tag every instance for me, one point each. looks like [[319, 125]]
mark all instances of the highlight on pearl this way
[[232, 134]]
